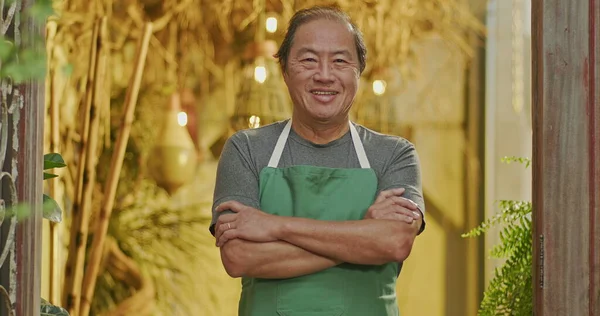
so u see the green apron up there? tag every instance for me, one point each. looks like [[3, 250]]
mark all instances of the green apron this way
[[324, 194]]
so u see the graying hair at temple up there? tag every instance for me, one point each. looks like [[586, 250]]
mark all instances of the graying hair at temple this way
[[314, 13]]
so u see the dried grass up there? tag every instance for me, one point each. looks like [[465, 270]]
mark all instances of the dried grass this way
[[163, 240]]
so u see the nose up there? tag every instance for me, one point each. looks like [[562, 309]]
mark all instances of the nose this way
[[324, 72]]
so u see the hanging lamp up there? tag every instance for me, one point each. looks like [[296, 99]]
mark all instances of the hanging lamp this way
[[173, 159], [262, 98]]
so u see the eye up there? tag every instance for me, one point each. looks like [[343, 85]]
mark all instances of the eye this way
[[309, 59], [339, 60]]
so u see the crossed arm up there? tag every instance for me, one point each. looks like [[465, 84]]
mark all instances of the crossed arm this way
[[257, 244], [270, 260]]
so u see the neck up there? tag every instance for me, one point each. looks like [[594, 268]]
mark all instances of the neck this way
[[319, 132]]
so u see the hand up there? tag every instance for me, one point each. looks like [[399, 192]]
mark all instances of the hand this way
[[247, 223], [390, 205]]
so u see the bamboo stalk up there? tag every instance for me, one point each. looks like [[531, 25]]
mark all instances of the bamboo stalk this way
[[80, 222], [87, 104], [55, 247], [89, 178], [95, 256]]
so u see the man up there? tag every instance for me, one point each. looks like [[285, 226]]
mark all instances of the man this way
[[317, 214]]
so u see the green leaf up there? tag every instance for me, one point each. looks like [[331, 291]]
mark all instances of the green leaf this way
[[509, 291], [522, 160], [53, 160], [47, 309], [49, 175], [6, 49], [20, 211], [52, 211], [41, 10], [30, 64]]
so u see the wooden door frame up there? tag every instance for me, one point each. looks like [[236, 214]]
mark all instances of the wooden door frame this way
[[566, 153], [24, 162]]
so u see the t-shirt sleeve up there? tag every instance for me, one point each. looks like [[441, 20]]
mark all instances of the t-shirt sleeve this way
[[237, 177], [404, 171]]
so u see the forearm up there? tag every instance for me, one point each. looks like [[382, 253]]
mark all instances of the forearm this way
[[368, 241], [270, 260]]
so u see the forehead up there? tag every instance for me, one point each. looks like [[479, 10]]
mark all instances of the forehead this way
[[324, 35]]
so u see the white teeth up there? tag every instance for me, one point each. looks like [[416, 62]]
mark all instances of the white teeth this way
[[324, 92]]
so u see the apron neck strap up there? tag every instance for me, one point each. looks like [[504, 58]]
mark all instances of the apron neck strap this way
[[274, 161], [358, 146]]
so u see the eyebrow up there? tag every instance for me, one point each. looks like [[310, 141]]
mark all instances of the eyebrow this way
[[344, 52]]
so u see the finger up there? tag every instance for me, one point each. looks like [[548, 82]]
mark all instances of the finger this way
[[378, 209], [403, 218], [403, 215], [389, 193], [227, 236], [223, 220], [222, 239], [398, 217], [383, 207], [386, 208], [383, 204], [404, 202], [387, 205], [408, 219], [407, 215], [226, 218], [233, 206], [408, 212], [416, 215], [221, 228], [386, 194]]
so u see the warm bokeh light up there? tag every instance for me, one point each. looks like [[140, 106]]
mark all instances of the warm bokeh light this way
[[379, 87], [254, 121], [260, 74], [271, 25], [182, 118]]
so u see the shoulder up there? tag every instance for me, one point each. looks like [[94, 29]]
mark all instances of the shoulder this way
[[261, 138], [378, 143]]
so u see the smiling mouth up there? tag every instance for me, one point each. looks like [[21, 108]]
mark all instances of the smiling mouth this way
[[316, 92]]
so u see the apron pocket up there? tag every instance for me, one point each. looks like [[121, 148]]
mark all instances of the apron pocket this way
[[319, 294]]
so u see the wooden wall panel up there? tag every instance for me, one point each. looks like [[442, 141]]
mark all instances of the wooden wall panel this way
[[566, 147]]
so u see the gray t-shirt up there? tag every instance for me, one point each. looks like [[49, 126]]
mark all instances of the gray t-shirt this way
[[247, 152]]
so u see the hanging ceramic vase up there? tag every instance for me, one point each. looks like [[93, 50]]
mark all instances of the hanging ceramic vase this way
[[173, 159]]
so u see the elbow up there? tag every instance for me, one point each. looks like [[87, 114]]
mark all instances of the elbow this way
[[232, 257], [402, 244], [234, 270], [402, 249]]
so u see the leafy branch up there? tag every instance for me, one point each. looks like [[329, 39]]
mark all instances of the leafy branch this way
[[51, 209], [29, 62], [522, 160], [510, 291]]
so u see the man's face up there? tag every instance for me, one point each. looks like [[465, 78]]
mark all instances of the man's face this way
[[322, 72]]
